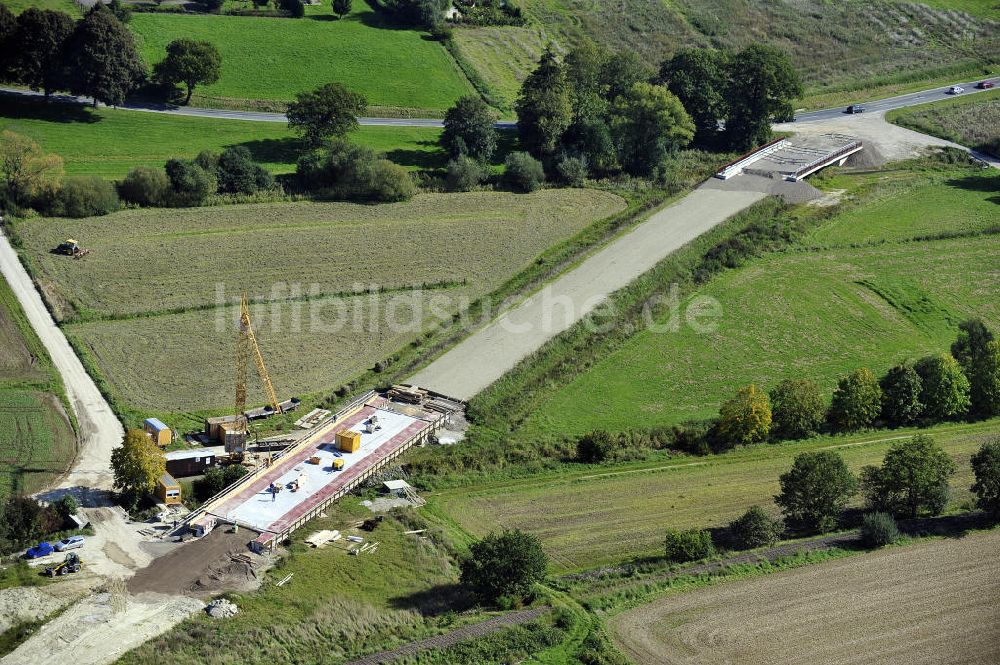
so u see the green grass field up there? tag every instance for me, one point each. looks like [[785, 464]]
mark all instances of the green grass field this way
[[109, 143], [272, 59], [973, 121], [147, 262], [596, 516], [68, 6], [810, 312], [36, 439]]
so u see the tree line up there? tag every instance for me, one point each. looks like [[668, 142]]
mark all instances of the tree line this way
[[95, 56]]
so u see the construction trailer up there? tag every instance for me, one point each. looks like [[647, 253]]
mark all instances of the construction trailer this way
[[184, 463], [158, 432], [168, 490]]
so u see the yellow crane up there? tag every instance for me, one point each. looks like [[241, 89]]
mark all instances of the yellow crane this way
[[246, 345]]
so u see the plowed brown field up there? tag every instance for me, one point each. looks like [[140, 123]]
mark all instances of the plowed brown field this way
[[934, 603]]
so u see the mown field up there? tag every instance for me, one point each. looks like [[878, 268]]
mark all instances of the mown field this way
[[68, 6], [810, 312], [36, 439], [162, 272], [972, 121], [109, 143], [841, 49], [932, 602], [272, 59], [594, 516]]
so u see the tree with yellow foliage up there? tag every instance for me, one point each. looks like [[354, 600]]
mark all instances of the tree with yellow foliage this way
[[137, 464], [746, 418], [26, 170]]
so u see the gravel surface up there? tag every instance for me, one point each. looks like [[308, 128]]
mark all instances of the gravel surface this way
[[929, 603]]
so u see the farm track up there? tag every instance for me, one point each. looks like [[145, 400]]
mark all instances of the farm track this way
[[481, 629]]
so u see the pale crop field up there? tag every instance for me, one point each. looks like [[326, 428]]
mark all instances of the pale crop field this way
[[931, 602], [154, 260], [594, 517]]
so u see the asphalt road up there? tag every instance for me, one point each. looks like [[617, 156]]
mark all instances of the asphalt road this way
[[898, 102]]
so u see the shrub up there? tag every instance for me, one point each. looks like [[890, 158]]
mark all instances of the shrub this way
[[212, 5], [505, 564], [190, 184], [66, 505], [464, 173], [857, 401], [746, 418], [344, 170], [815, 491], [797, 409], [216, 479], [755, 528], [293, 8], [689, 545], [986, 467], [85, 196], [596, 446], [523, 172], [387, 183], [573, 171], [878, 530], [239, 174], [145, 186]]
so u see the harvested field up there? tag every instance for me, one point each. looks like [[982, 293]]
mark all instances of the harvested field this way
[[156, 260], [929, 603], [589, 518]]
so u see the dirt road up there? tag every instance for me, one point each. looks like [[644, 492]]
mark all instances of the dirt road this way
[[932, 603], [100, 430], [489, 353]]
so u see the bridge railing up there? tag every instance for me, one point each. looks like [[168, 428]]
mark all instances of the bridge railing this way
[[736, 166], [819, 163]]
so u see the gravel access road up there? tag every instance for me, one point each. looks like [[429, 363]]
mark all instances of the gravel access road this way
[[490, 352]]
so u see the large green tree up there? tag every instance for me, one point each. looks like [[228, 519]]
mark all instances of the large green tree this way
[[797, 409], [104, 59], [979, 355], [469, 130], [8, 53], [341, 8], [505, 564], [137, 464], [621, 71], [330, 110], [913, 477], [986, 467], [649, 123], [698, 77], [816, 490], [901, 387], [544, 109], [762, 85], [944, 388], [857, 401], [589, 133], [190, 62], [38, 49]]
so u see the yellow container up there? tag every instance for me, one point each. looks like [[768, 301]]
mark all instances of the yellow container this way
[[349, 441], [338, 464]]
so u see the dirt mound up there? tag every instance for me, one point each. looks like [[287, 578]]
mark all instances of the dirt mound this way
[[870, 157], [221, 609]]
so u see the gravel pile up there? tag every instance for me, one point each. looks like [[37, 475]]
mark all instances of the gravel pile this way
[[221, 608]]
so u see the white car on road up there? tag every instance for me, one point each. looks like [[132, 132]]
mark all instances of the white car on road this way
[[956, 90]]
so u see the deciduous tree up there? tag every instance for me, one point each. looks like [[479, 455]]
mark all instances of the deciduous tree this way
[[746, 418], [190, 62], [469, 130], [8, 53], [986, 467], [38, 49], [797, 409], [328, 111], [857, 401], [815, 491], [762, 85], [901, 387], [505, 564], [544, 111], [26, 170], [979, 355], [698, 77], [755, 528], [649, 123], [137, 464], [913, 477], [944, 388], [104, 59], [341, 8]]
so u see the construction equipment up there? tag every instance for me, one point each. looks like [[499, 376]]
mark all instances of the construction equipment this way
[[71, 248], [348, 441], [246, 345], [71, 564]]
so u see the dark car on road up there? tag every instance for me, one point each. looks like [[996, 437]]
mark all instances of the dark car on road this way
[[984, 85], [855, 108]]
